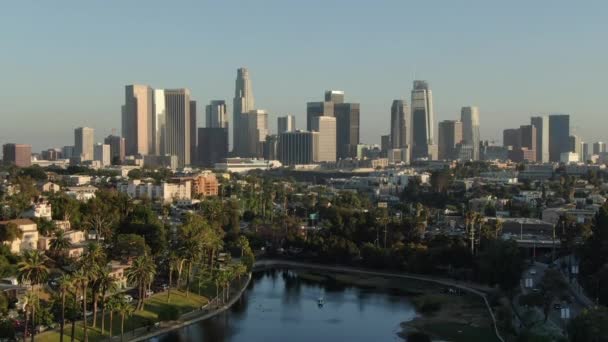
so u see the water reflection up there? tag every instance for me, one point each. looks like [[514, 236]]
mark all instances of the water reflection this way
[[281, 305]]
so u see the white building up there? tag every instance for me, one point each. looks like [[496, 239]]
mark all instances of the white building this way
[[101, 153], [41, 210], [568, 157], [29, 240], [164, 192], [241, 165], [81, 193]]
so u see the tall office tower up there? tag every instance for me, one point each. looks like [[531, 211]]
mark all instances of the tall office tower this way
[[326, 126], [335, 96], [298, 147], [422, 120], [542, 137], [576, 146], [254, 129], [584, 151], [599, 147], [137, 114], [450, 135], [212, 145], [102, 154], [216, 114], [67, 152], [159, 123], [528, 141], [243, 102], [469, 116], [347, 129], [511, 137], [19, 155], [117, 148], [286, 123], [84, 139], [193, 141], [177, 140], [51, 154], [385, 144], [400, 120], [314, 109], [559, 132], [271, 147]]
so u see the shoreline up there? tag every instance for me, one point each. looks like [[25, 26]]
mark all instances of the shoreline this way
[[260, 265]]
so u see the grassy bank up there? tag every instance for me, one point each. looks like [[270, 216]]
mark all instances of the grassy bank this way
[[143, 318]]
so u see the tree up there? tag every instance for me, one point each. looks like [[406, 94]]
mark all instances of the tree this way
[[81, 280], [552, 287], [124, 309], [501, 263], [60, 244], [591, 325], [107, 283], [113, 305], [32, 268], [141, 272], [65, 285], [10, 232], [31, 303]]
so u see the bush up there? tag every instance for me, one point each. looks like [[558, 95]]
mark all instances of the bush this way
[[428, 304], [169, 313]]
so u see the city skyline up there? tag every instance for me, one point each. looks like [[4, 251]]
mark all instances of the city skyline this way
[[479, 71]]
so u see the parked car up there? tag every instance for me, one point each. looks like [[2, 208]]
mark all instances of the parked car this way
[[557, 306], [128, 298]]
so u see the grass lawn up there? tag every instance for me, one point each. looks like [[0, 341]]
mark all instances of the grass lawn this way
[[153, 306]]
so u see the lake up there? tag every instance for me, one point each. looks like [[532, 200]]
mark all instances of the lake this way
[[282, 305]]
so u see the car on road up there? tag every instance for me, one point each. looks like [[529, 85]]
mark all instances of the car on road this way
[[557, 306]]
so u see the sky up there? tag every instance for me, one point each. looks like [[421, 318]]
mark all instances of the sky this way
[[64, 64]]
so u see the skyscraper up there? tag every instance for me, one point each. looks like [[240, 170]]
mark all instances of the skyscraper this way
[[193, 141], [254, 129], [117, 148], [400, 119], [326, 126], [314, 109], [243, 102], [159, 123], [347, 129], [216, 114], [84, 139], [528, 141], [212, 145], [541, 123], [298, 147], [469, 116], [559, 133], [102, 154], [584, 151], [450, 135], [576, 146], [137, 114], [177, 102], [422, 121], [599, 147], [511, 137], [286, 123], [335, 96], [19, 155]]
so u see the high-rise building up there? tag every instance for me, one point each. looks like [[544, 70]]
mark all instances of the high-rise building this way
[[559, 133], [385, 144], [137, 117], [400, 120], [326, 126], [51, 154], [243, 102], [212, 145], [193, 141], [254, 129], [286, 123], [347, 129], [19, 155], [271, 147], [511, 137], [584, 151], [576, 146], [102, 154], [469, 116], [216, 114], [84, 139], [177, 141], [117, 148], [422, 121], [450, 135], [541, 123], [159, 123], [67, 151], [298, 147], [335, 96], [599, 147], [314, 109], [528, 141]]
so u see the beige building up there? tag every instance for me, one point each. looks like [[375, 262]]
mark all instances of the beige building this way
[[326, 148], [136, 119], [84, 139], [29, 240], [178, 122]]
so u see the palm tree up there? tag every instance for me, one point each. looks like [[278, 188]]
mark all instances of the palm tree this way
[[65, 284], [141, 272], [81, 279], [32, 268], [60, 244], [112, 304], [107, 284], [124, 309], [174, 262], [94, 261], [31, 300]]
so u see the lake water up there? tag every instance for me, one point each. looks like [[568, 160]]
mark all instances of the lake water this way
[[279, 305]]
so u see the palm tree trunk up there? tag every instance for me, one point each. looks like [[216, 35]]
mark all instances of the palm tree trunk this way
[[84, 312], [62, 325], [122, 326], [73, 328], [33, 322], [188, 278], [103, 319], [95, 299], [111, 323], [170, 284], [25, 327]]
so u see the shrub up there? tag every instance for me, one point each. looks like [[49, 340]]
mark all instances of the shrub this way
[[169, 313]]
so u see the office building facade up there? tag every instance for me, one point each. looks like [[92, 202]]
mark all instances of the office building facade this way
[[469, 116], [347, 129], [326, 126], [212, 145], [541, 123], [117, 148], [19, 155], [400, 119], [177, 102], [450, 135], [243, 102], [137, 114], [84, 139], [423, 120], [298, 147], [286, 123], [559, 134], [216, 114]]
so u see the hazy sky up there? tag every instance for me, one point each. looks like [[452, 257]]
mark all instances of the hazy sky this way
[[64, 64]]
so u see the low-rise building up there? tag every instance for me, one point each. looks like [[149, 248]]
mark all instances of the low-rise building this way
[[48, 187], [81, 193], [164, 192], [29, 240]]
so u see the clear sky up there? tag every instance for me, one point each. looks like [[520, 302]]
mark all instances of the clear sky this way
[[64, 64]]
